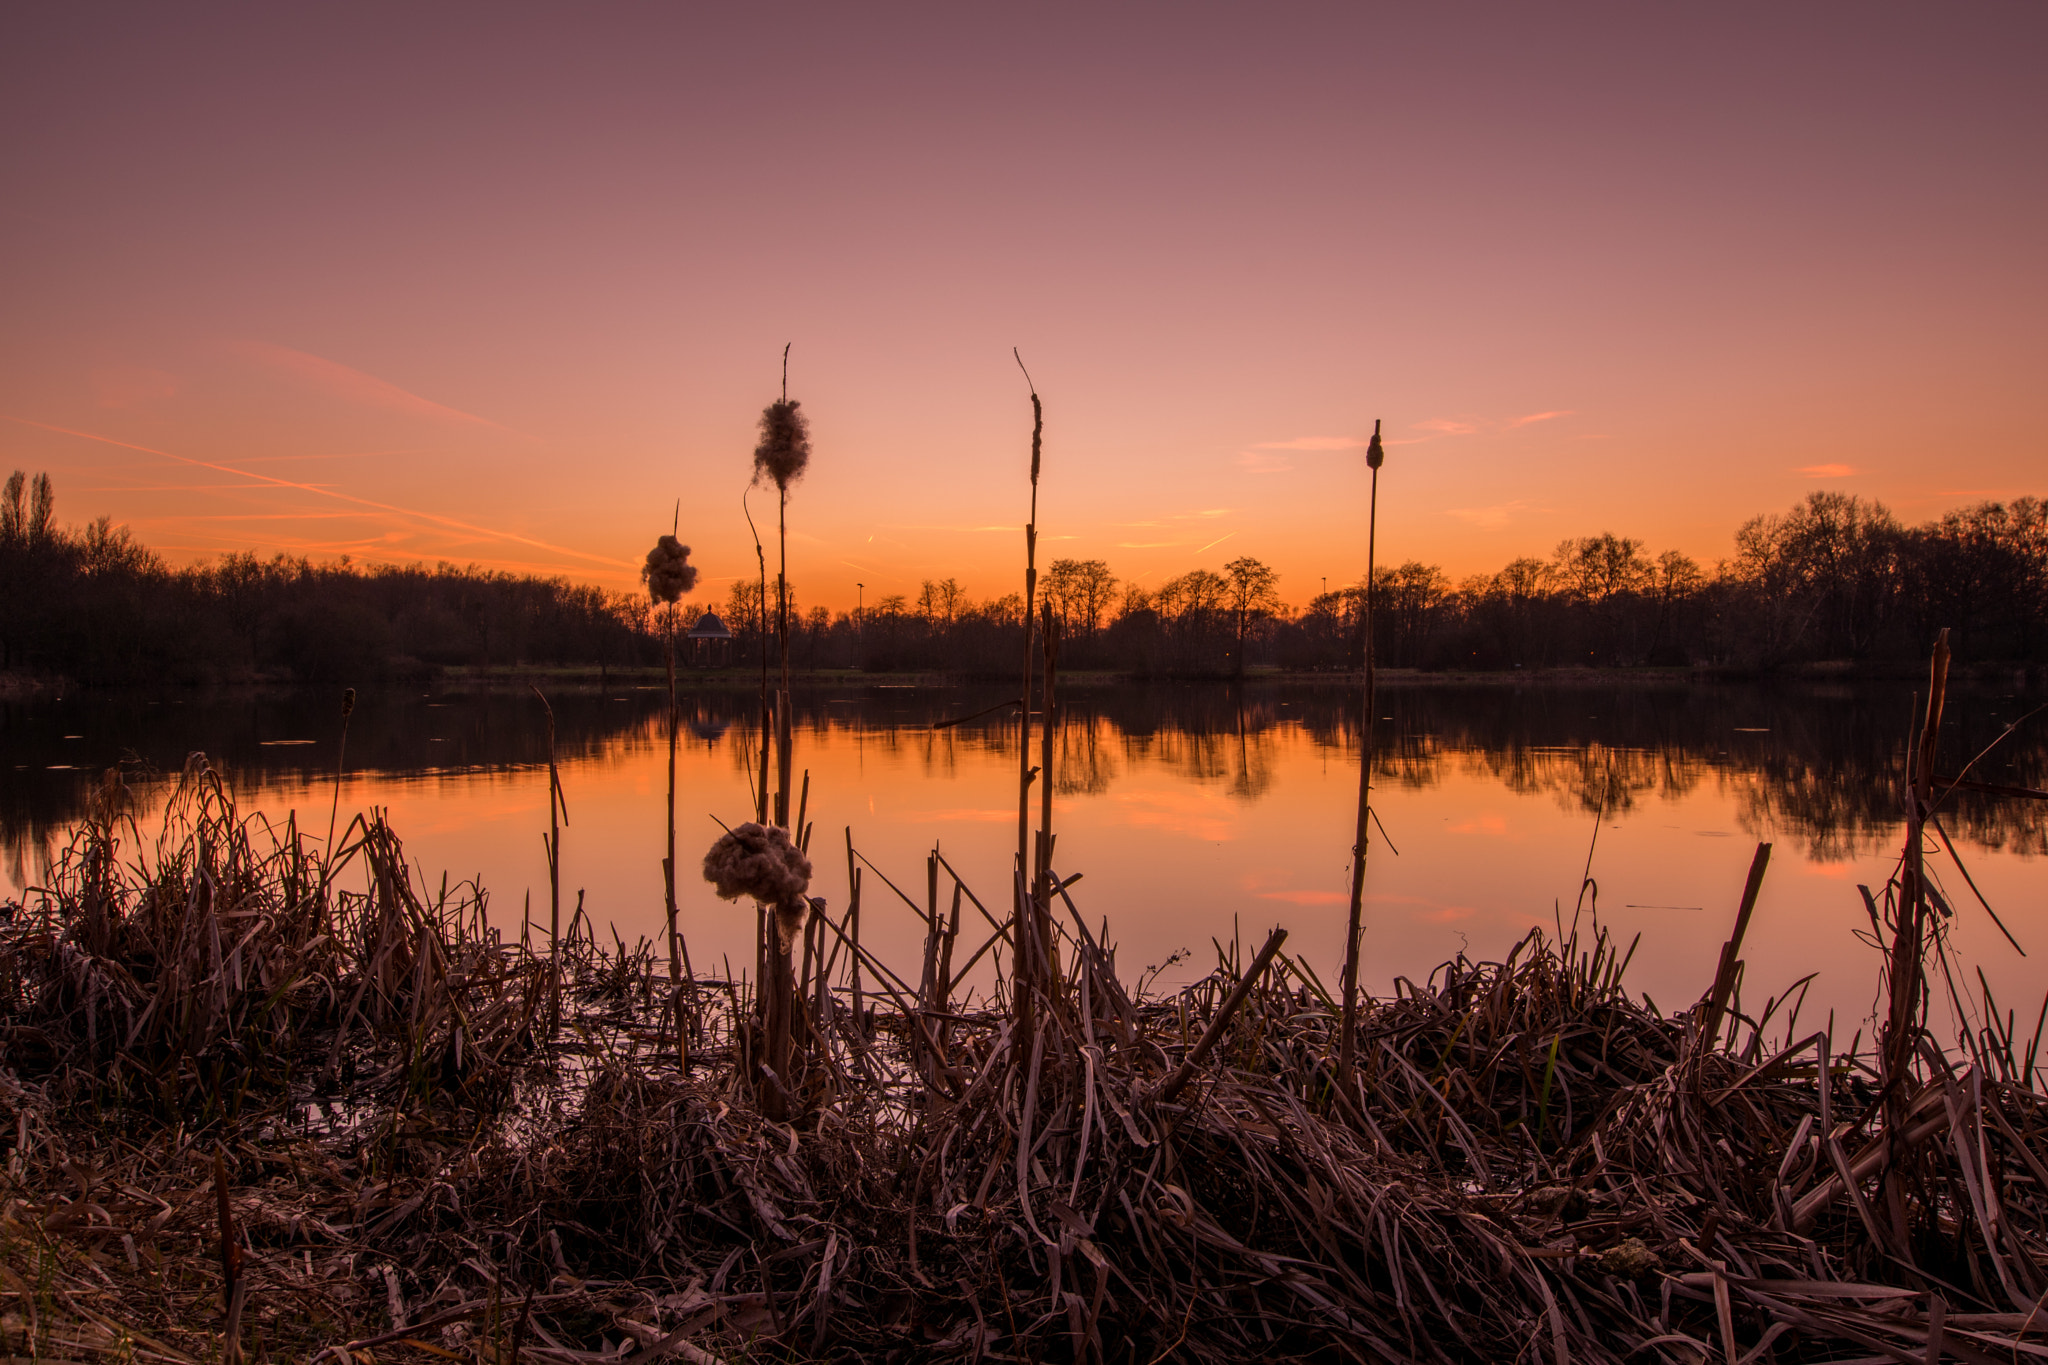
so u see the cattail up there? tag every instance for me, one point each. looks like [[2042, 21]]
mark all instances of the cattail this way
[[785, 448], [758, 861], [761, 862], [348, 702], [668, 571]]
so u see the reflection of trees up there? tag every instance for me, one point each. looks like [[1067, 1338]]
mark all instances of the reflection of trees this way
[[1819, 765], [1086, 755]]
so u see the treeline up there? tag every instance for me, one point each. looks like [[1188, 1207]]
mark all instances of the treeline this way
[[1835, 577], [91, 604]]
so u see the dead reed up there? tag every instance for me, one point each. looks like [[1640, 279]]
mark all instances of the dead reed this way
[[1375, 456], [335, 1100]]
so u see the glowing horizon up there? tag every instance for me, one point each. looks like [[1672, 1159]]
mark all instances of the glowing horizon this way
[[502, 295]]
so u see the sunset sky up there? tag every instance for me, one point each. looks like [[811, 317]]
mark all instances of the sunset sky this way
[[499, 284]]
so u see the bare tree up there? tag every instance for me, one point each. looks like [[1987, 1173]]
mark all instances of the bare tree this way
[[1081, 590], [1251, 589]]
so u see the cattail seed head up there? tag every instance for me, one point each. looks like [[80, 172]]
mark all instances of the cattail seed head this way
[[1375, 453], [668, 572], [785, 447], [1037, 435], [761, 862], [348, 702]]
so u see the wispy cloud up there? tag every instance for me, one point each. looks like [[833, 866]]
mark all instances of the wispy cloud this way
[[1148, 544], [356, 386], [1263, 462], [270, 481], [1315, 443], [1500, 514], [1436, 428], [1828, 471]]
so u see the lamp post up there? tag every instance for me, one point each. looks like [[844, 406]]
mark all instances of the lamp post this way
[[1375, 456]]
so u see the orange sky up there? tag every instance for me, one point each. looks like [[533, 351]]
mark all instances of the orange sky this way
[[500, 286]]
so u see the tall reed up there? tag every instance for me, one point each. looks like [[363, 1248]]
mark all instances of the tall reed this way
[[1030, 948], [782, 455], [761, 621], [669, 574], [1375, 456]]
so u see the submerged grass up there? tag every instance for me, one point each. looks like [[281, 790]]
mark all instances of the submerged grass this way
[[248, 1113]]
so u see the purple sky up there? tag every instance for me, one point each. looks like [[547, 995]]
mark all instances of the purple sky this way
[[502, 283]]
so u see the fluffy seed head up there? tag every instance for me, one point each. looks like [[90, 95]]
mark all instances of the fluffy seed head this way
[[759, 861], [668, 571], [785, 447]]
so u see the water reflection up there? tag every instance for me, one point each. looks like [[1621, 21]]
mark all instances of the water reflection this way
[[1820, 765]]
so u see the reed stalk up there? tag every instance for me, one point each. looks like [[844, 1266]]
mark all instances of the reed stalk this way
[[348, 706], [668, 863], [767, 709], [785, 729], [1032, 972], [1375, 456], [1048, 727], [1905, 960], [558, 816]]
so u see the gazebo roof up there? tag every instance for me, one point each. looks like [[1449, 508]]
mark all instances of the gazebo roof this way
[[709, 627]]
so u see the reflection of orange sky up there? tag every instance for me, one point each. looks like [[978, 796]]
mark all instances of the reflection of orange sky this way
[[1152, 861], [506, 297]]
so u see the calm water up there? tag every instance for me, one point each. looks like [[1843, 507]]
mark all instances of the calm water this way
[[1192, 811]]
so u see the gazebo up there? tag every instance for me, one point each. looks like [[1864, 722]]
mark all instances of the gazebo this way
[[710, 642]]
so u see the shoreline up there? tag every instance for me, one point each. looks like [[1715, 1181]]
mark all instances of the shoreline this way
[[2024, 677]]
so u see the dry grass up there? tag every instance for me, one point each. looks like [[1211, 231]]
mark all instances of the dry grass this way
[[1528, 1164]]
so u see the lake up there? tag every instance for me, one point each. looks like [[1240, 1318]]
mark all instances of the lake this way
[[1193, 812]]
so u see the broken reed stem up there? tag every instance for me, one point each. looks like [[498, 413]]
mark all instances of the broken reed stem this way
[[1724, 975], [348, 706], [1348, 1041], [1182, 1074], [1906, 966]]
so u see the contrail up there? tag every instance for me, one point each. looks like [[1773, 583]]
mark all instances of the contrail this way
[[329, 493]]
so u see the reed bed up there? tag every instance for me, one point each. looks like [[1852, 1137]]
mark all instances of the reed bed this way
[[262, 1104]]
